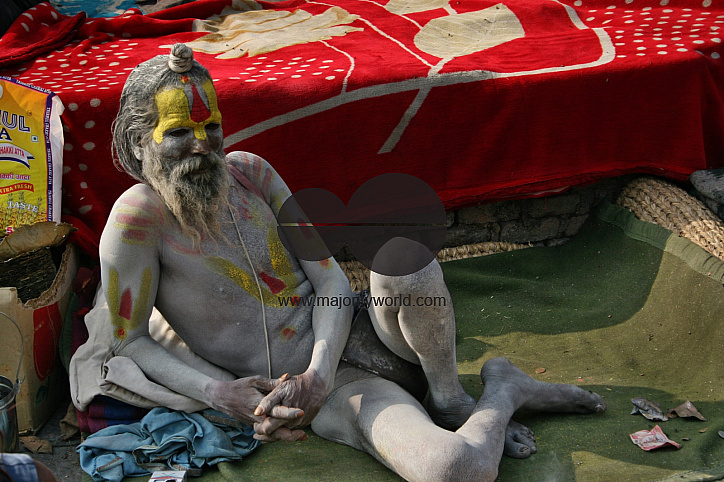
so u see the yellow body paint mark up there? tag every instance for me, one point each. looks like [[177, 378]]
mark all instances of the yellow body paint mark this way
[[279, 259], [245, 281], [174, 111], [118, 304], [226, 268], [281, 266]]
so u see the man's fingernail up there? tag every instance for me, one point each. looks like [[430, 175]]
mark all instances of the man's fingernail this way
[[300, 414], [304, 437], [258, 411]]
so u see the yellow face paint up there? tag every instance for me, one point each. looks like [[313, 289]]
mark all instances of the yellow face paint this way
[[184, 107]]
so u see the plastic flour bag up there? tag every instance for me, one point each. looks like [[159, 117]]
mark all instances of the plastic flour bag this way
[[31, 154]]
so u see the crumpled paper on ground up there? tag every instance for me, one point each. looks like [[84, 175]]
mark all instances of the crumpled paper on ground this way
[[647, 408], [652, 439]]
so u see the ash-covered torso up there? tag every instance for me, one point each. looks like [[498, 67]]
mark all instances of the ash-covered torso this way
[[209, 294]]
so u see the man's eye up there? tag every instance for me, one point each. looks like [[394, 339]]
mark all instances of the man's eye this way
[[177, 132], [213, 126]]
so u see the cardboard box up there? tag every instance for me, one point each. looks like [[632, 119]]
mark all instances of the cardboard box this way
[[40, 320]]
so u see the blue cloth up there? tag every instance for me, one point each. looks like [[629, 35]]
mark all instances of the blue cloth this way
[[162, 440], [19, 467], [93, 8]]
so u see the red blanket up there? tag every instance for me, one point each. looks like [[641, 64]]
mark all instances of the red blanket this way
[[482, 100]]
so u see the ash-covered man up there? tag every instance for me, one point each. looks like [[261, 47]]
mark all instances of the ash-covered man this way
[[197, 239]]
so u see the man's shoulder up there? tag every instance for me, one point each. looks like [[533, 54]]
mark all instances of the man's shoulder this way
[[247, 162], [138, 218], [256, 173], [140, 198]]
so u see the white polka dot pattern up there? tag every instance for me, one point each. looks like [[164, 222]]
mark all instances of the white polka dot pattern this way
[[268, 69], [88, 72], [662, 30]]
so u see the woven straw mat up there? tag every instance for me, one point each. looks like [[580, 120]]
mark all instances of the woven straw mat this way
[[660, 202]]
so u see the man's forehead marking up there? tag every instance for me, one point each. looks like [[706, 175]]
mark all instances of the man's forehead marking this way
[[187, 106]]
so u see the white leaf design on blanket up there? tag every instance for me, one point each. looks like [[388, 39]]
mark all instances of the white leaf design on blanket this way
[[262, 31], [402, 7], [467, 33]]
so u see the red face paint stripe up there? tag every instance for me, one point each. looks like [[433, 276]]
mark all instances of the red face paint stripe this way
[[199, 111]]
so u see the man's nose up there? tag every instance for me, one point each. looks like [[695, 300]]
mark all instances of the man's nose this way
[[200, 146]]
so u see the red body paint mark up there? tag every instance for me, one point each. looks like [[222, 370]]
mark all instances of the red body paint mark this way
[[304, 228], [274, 284], [135, 235], [126, 304], [143, 204], [136, 221], [256, 170], [266, 182], [325, 263], [288, 333]]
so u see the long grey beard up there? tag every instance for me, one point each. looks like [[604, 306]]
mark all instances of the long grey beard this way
[[194, 200]]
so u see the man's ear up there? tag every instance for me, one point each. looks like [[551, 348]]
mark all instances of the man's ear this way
[[139, 152]]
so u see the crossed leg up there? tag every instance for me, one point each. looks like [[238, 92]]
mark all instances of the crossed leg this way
[[377, 416]]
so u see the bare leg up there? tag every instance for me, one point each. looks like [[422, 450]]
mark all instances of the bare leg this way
[[422, 334], [425, 334], [376, 416]]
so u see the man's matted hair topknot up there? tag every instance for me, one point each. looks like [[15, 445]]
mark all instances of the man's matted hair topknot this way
[[138, 115]]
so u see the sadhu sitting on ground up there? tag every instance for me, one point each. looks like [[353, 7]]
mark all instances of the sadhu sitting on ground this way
[[197, 239]]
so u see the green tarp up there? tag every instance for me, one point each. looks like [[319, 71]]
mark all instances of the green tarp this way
[[626, 309]]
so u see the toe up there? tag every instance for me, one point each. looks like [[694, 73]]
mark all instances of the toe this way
[[516, 450], [528, 440]]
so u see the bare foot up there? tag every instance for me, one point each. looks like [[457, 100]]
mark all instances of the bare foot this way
[[453, 413], [519, 441], [500, 375]]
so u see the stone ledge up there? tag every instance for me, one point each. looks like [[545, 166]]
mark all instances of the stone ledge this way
[[546, 221], [541, 221]]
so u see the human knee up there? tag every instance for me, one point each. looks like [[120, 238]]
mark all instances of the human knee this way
[[401, 256], [426, 279]]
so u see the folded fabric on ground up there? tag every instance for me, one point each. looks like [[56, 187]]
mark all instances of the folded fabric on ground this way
[[164, 439], [105, 412]]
